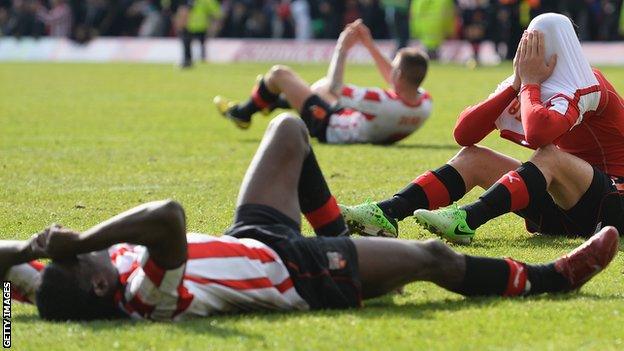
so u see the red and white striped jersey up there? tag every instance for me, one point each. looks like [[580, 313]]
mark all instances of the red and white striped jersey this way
[[222, 274], [375, 115], [24, 279]]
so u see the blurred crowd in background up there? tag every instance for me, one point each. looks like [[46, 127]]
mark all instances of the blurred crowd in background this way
[[430, 21]]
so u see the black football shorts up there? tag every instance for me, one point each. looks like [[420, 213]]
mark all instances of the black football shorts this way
[[602, 205], [324, 270]]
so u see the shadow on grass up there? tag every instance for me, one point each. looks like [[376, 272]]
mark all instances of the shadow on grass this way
[[229, 326], [426, 146], [398, 146], [542, 240]]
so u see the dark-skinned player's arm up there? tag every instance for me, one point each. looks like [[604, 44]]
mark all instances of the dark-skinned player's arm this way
[[16, 252], [384, 66], [19, 265], [335, 73], [541, 125], [158, 225]]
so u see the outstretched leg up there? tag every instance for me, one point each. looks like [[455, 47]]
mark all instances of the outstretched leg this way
[[386, 264], [285, 176]]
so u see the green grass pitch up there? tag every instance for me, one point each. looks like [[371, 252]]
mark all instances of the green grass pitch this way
[[79, 143]]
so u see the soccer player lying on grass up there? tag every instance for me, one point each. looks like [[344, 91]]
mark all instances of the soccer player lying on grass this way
[[554, 103], [143, 264], [340, 114]]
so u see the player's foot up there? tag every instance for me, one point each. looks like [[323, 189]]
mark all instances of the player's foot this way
[[587, 260], [369, 219], [227, 109], [265, 111], [448, 223], [185, 64]]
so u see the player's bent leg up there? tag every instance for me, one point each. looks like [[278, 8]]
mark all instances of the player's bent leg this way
[[273, 176], [526, 187], [282, 79], [280, 82], [519, 189], [284, 175], [471, 166], [321, 88], [567, 177], [481, 166]]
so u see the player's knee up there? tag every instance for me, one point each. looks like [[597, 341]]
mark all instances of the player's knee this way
[[290, 130], [439, 253], [468, 159], [546, 154], [172, 215], [473, 153], [320, 85], [279, 72]]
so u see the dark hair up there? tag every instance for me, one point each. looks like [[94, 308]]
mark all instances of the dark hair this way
[[60, 298], [413, 64]]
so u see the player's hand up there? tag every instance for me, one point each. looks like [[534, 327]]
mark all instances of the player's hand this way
[[364, 34], [517, 83], [37, 244], [531, 61], [347, 39], [61, 242]]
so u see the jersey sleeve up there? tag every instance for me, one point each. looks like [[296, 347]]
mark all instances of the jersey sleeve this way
[[477, 121], [152, 292], [544, 124], [24, 279]]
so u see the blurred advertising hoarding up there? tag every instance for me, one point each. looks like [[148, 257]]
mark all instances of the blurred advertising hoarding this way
[[169, 50]]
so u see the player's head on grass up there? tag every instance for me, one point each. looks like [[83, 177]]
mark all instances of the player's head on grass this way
[[79, 289], [409, 69]]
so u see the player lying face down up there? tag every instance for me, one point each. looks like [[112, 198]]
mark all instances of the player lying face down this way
[[554, 103], [341, 114], [143, 263]]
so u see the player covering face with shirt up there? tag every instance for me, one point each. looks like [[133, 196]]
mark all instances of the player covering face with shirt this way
[[554, 103], [340, 113], [143, 264]]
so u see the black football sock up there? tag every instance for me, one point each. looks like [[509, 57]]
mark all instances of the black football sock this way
[[316, 201], [261, 98], [514, 191], [315, 112], [508, 277], [544, 278], [431, 190], [484, 276], [280, 103]]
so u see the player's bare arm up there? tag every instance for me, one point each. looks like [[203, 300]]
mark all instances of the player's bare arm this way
[[14, 252], [158, 225], [335, 73], [384, 65]]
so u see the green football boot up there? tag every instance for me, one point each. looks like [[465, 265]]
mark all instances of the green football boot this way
[[448, 223], [369, 219], [226, 108]]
